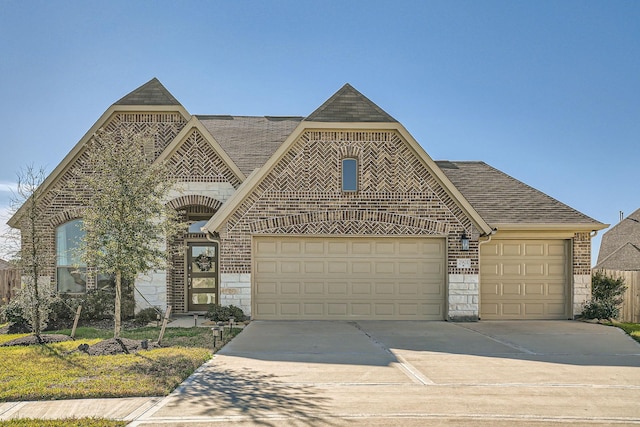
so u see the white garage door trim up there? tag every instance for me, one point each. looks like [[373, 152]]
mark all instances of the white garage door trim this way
[[348, 278], [525, 279]]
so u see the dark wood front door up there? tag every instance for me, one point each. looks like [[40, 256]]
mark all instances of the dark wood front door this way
[[202, 275]]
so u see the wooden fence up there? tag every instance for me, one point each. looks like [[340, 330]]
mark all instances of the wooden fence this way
[[9, 284], [630, 310]]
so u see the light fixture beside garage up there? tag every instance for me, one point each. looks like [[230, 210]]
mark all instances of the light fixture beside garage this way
[[464, 241]]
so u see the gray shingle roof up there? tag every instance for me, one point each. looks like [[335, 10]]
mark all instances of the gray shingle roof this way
[[150, 93], [249, 141], [499, 198], [349, 105], [620, 246], [625, 258]]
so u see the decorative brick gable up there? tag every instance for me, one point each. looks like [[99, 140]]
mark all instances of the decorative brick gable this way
[[195, 160], [302, 195], [60, 204]]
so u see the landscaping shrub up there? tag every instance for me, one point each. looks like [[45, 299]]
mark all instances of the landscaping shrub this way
[[606, 297], [147, 315], [222, 313]]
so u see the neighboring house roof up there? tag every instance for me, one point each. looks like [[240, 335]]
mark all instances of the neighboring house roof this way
[[501, 199], [249, 141], [620, 246], [150, 93], [349, 106]]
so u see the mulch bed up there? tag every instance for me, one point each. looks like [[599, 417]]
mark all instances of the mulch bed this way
[[109, 346]]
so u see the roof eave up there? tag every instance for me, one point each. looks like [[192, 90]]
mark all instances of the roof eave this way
[[230, 206], [195, 123], [550, 227], [77, 149]]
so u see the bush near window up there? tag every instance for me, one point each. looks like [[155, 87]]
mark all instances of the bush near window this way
[[148, 315], [221, 313], [96, 305], [606, 297]]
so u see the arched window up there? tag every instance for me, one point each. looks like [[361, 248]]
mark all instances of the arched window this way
[[71, 273], [349, 174]]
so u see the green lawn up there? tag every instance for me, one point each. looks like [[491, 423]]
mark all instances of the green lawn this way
[[633, 329], [73, 422], [54, 371]]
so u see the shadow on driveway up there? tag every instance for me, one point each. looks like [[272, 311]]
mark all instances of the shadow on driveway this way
[[216, 392]]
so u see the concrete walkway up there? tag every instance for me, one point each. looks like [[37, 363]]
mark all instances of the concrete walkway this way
[[394, 373]]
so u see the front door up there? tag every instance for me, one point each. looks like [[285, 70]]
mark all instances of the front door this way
[[202, 275]]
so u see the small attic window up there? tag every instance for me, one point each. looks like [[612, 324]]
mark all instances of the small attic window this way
[[349, 174]]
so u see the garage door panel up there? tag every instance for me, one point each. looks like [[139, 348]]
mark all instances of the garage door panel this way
[[349, 278], [267, 288], [337, 309], [314, 248], [524, 279], [313, 309], [534, 249], [314, 267], [311, 288]]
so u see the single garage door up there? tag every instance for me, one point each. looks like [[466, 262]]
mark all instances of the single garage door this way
[[340, 278], [524, 279]]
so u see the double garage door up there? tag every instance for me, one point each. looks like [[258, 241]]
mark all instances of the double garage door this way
[[524, 279], [348, 278]]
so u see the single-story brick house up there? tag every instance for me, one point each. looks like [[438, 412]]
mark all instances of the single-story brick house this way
[[337, 215]]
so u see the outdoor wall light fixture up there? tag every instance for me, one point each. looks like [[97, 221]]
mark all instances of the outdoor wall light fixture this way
[[464, 241]]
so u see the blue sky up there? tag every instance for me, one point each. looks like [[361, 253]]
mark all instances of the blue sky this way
[[546, 91]]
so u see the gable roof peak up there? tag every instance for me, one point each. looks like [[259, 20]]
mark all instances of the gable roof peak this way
[[349, 105], [150, 93]]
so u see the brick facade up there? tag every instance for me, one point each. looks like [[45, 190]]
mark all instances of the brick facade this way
[[301, 195]]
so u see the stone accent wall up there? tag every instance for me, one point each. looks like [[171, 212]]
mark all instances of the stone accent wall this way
[[236, 291], [463, 297], [153, 287], [581, 292]]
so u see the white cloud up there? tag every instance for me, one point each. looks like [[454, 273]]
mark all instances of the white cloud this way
[[8, 187], [6, 243]]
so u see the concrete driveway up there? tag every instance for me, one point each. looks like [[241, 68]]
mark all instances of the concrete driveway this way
[[413, 374]]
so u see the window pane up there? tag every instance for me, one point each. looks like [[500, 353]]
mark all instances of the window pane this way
[[203, 282], [349, 175], [68, 239], [203, 298], [72, 279]]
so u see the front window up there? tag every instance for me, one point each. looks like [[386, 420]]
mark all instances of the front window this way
[[349, 175], [71, 272]]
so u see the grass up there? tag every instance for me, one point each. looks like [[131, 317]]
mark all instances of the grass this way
[[632, 329], [55, 371], [69, 422]]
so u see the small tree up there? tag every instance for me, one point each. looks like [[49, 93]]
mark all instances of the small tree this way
[[34, 254], [126, 222], [607, 294]]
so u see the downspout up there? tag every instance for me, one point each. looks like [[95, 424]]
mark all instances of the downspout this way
[[489, 236]]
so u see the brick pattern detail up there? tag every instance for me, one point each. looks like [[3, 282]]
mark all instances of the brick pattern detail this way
[[302, 195], [196, 161], [164, 127], [61, 204], [582, 254]]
